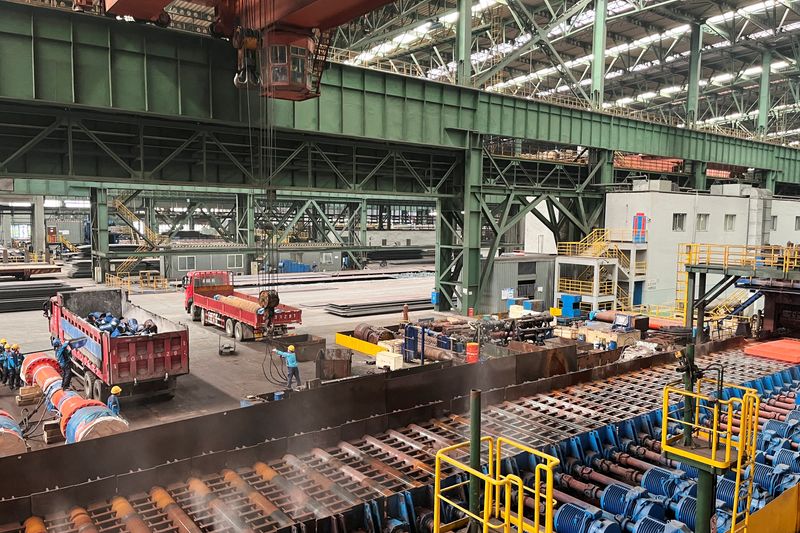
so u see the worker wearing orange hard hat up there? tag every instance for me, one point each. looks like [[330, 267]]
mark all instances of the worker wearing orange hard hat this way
[[292, 372]]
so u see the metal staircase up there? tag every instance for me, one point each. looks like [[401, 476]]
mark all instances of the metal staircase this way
[[149, 239], [319, 60], [67, 244]]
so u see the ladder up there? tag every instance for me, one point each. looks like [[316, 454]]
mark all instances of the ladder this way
[[319, 60], [151, 241]]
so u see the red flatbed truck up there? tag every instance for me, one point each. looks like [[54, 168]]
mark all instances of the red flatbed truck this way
[[142, 365], [201, 287]]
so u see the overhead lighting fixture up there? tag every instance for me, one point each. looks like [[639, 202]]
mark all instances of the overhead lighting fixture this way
[[52, 203], [77, 204], [20, 204]]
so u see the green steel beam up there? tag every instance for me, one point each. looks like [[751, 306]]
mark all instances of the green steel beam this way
[[763, 94], [100, 243], [471, 269], [330, 247], [599, 53], [141, 72], [464, 43], [695, 67], [699, 170]]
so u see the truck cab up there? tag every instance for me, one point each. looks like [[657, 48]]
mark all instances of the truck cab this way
[[205, 283]]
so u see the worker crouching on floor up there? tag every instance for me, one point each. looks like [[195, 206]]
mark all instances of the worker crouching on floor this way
[[291, 365], [64, 358], [113, 400]]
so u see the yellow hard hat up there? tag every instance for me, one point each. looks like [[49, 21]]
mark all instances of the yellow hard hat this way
[[3, 341], [291, 348], [116, 389], [7, 346], [15, 346]]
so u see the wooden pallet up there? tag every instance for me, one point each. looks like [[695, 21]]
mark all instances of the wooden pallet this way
[[52, 432], [29, 395]]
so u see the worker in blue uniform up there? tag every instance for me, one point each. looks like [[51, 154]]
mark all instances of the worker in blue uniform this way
[[64, 358], [8, 364], [291, 364], [16, 354], [11, 367], [113, 400], [3, 343]]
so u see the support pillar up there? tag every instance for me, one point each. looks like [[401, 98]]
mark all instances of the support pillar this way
[[689, 311], [475, 456], [701, 308], [464, 43], [362, 223], [763, 94], [693, 90], [603, 160], [771, 180], [150, 213], [598, 53], [246, 219], [99, 216], [699, 170], [471, 270], [37, 224]]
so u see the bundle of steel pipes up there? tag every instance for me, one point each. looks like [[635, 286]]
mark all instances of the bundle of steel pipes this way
[[81, 419], [11, 441], [241, 303]]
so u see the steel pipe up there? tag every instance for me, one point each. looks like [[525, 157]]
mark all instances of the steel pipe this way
[[81, 521], [177, 516], [128, 516], [35, 524], [222, 510], [11, 441], [269, 509], [81, 419]]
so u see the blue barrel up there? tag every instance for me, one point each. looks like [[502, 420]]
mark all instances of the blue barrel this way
[[435, 297], [612, 345]]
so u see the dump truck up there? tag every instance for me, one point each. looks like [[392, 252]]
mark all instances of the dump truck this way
[[211, 299], [141, 364]]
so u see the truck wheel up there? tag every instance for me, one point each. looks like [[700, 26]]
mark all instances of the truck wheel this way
[[229, 327], [88, 384], [238, 332], [195, 312], [99, 391]]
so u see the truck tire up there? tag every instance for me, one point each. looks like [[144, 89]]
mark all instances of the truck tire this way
[[88, 384], [238, 332], [229, 326], [100, 392], [195, 312]]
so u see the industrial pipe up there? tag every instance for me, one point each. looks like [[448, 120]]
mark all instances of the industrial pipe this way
[[241, 303], [128, 516], [373, 334], [221, 509], [269, 509], [11, 441], [654, 322], [35, 524], [180, 520], [81, 521], [81, 419]]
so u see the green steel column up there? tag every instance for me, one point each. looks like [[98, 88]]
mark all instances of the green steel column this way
[[699, 169], [705, 501], [471, 270], [99, 217], [763, 94], [603, 160], [599, 53], [247, 217], [464, 43], [701, 308], [771, 179], [444, 253], [689, 311], [693, 91], [475, 453], [362, 223], [150, 213]]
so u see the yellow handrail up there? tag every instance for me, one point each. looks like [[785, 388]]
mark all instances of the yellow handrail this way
[[712, 423], [498, 490], [583, 287]]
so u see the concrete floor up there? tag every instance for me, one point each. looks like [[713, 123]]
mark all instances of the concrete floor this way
[[219, 383]]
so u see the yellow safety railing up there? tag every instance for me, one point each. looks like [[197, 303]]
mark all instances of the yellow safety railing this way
[[498, 513], [119, 282], [153, 280], [640, 268], [750, 257], [718, 442], [67, 243], [583, 287]]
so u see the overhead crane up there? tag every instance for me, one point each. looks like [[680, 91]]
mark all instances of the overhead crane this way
[[291, 36]]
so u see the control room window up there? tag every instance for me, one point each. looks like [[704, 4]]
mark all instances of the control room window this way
[[678, 221], [186, 262], [797, 223], [702, 221], [235, 261], [730, 222]]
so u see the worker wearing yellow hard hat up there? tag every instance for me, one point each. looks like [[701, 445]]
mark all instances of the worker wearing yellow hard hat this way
[[113, 400], [4, 353], [13, 364], [292, 372]]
